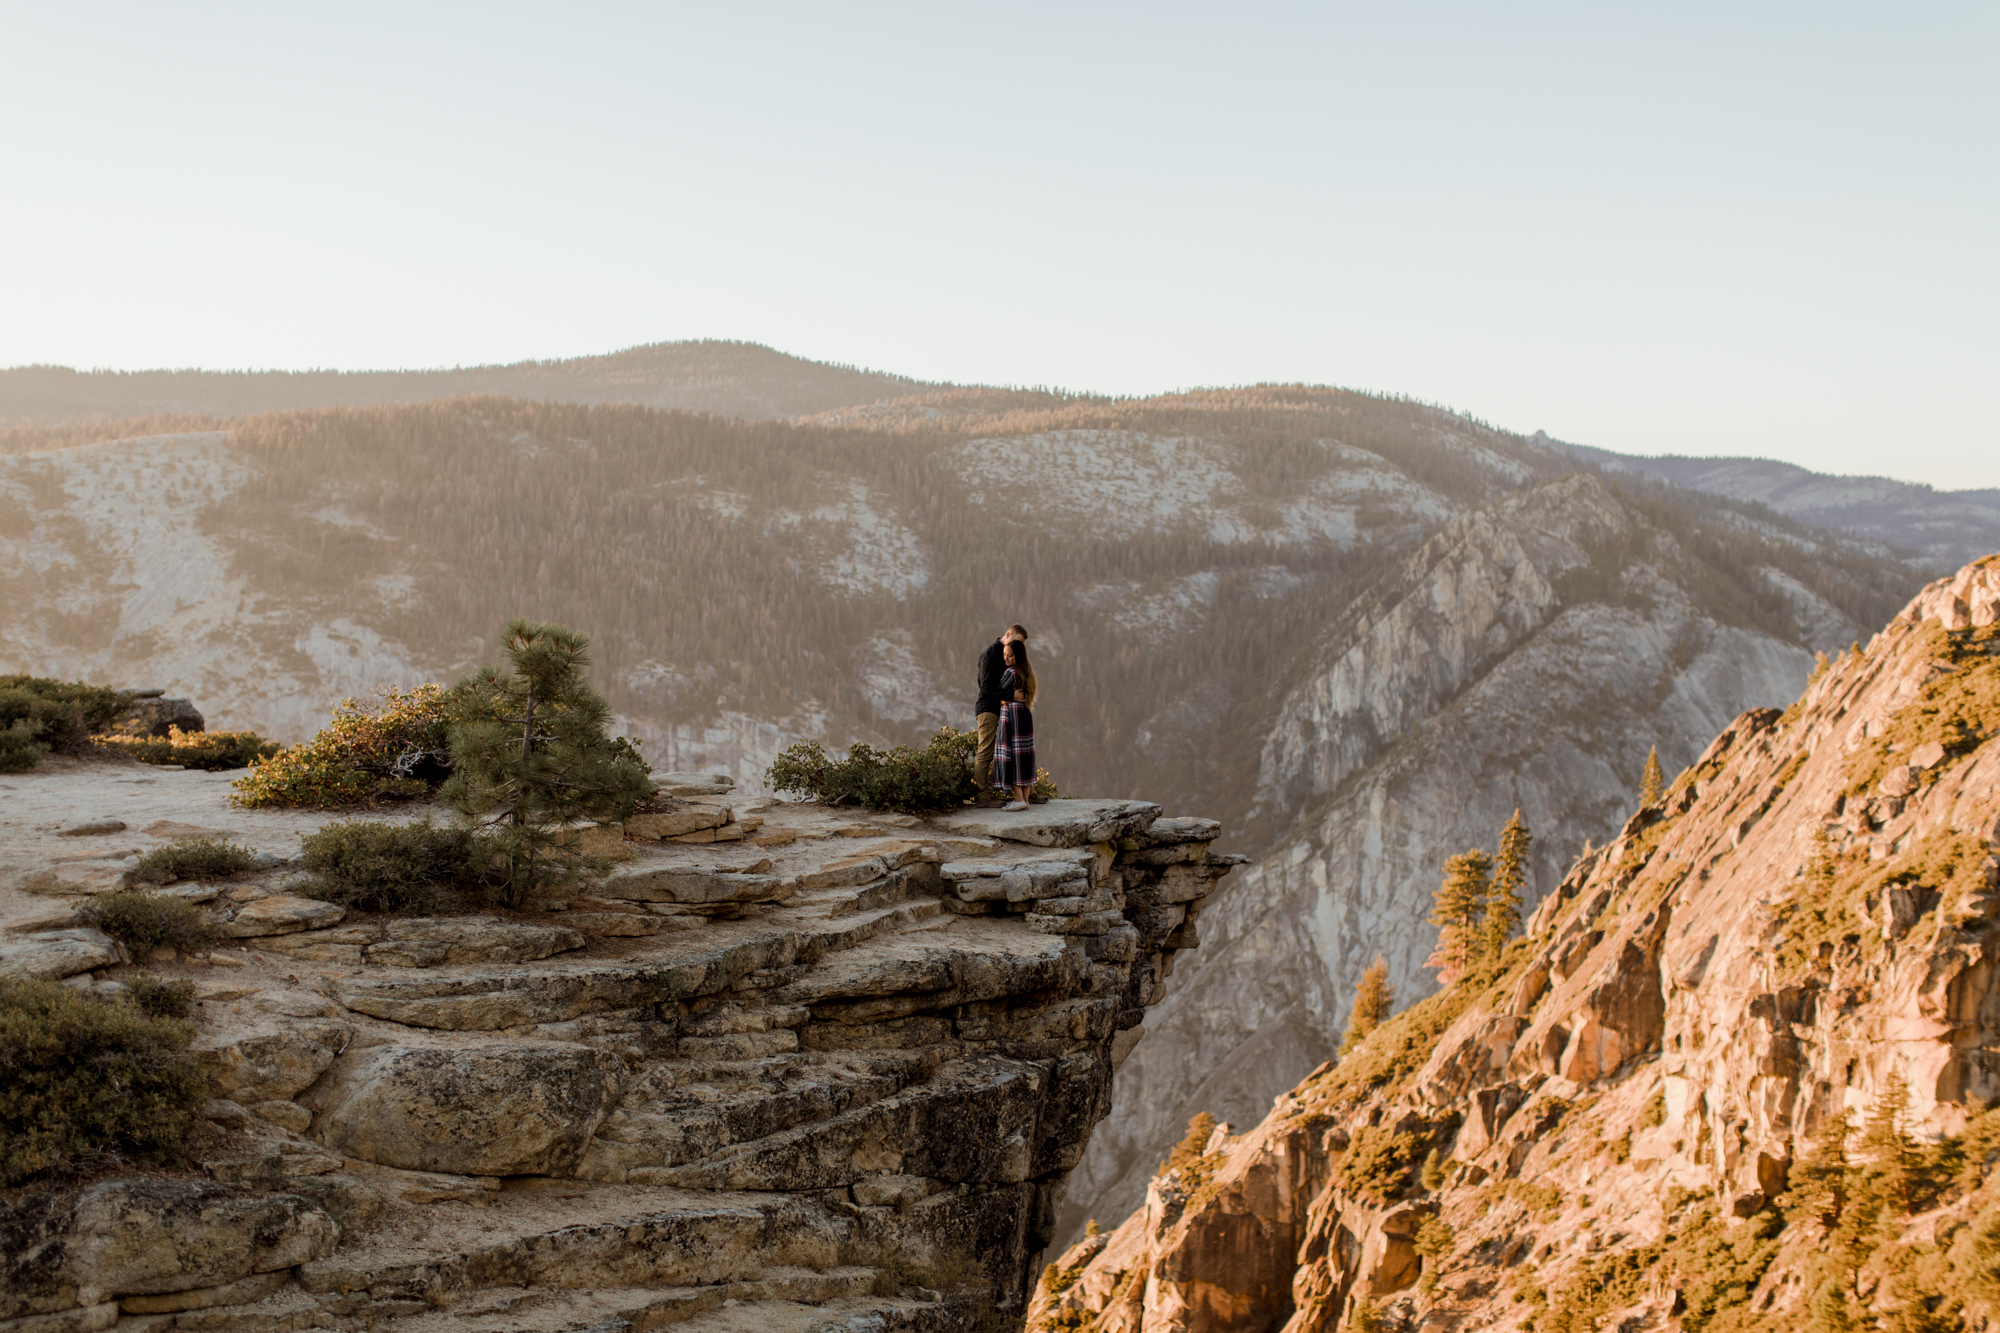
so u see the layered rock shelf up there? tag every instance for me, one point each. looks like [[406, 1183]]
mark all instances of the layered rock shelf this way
[[816, 1069]]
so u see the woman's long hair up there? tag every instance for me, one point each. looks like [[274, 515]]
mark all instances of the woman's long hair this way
[[1024, 669]]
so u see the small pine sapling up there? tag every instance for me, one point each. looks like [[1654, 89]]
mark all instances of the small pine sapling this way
[[1510, 877], [530, 761], [1653, 781], [1374, 1001]]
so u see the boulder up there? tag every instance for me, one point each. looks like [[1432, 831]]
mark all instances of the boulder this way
[[1057, 823], [654, 883], [674, 823], [1900, 781], [55, 954], [273, 1065], [144, 1237], [150, 714], [92, 828], [1927, 756], [283, 914], [438, 942], [497, 1110]]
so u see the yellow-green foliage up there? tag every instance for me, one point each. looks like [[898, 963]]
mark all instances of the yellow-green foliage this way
[[192, 858], [1940, 861], [363, 754], [1376, 1165], [210, 750], [1959, 708], [83, 1080], [1544, 1201], [1434, 1242], [143, 922], [1197, 1167]]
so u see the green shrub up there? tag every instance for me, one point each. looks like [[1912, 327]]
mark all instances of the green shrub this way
[[158, 997], [143, 922], [19, 750], [1376, 1166], [82, 1080], [1434, 1242], [404, 869], [937, 777], [192, 858], [396, 750], [195, 749], [39, 715]]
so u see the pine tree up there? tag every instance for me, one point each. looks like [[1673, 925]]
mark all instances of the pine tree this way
[[1374, 1001], [1510, 876], [1652, 782], [530, 759], [1461, 899], [1891, 1154], [1818, 1183]]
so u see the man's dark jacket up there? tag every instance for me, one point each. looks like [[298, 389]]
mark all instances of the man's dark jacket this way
[[992, 665]]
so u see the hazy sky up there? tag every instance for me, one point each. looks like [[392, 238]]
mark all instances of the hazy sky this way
[[1765, 229]]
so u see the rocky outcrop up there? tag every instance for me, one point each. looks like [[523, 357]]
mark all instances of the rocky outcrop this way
[[844, 1082], [1527, 658], [1601, 1128]]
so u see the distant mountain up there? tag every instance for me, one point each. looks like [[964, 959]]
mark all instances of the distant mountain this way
[[727, 378], [1945, 529]]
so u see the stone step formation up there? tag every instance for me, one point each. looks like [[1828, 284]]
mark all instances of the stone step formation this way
[[836, 1079]]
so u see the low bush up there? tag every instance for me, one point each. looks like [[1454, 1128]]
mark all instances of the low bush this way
[[403, 869], [395, 750], [195, 749], [19, 750], [157, 997], [38, 715], [937, 777], [191, 858], [82, 1080], [1377, 1164], [143, 922]]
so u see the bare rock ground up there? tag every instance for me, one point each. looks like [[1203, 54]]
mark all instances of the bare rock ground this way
[[785, 1067]]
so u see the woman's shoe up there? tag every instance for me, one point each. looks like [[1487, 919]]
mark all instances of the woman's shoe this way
[[1015, 805]]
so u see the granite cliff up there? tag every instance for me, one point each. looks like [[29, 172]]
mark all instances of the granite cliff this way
[[1525, 657], [1634, 1118], [786, 1067]]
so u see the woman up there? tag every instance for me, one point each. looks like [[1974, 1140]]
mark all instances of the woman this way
[[1014, 746]]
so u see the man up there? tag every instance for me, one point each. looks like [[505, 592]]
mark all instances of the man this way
[[992, 664]]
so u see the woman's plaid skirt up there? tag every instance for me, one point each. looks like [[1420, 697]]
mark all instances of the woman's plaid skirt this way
[[1014, 747]]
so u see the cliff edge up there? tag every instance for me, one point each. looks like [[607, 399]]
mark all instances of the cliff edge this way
[[794, 1069]]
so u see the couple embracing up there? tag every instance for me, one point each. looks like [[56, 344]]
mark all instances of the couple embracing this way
[[1005, 763]]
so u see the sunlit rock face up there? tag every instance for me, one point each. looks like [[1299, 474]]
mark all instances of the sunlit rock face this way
[[1618, 1121]]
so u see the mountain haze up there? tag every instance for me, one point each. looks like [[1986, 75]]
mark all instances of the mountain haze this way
[[727, 378]]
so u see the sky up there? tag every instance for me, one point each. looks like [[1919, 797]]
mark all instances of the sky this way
[[1764, 229]]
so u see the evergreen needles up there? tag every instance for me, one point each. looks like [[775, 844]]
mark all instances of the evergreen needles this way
[[1652, 781], [530, 760], [1478, 906]]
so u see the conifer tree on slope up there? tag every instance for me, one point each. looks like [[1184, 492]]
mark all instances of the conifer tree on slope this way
[[530, 759], [1653, 781], [1374, 1001], [1457, 912], [1510, 876]]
